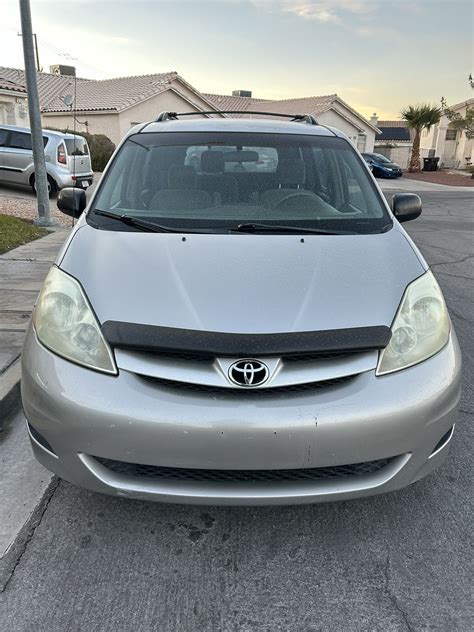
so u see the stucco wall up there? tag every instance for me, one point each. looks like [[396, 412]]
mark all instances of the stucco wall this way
[[181, 99], [148, 110], [334, 119], [115, 126], [452, 153], [400, 155], [13, 109], [107, 124]]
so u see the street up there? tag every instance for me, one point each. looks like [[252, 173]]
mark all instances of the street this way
[[396, 562]]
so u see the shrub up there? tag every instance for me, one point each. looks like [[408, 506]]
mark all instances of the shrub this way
[[101, 148]]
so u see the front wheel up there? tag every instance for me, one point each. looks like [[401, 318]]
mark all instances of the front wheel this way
[[52, 186]]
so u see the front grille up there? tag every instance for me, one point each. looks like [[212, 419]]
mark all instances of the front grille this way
[[136, 470], [253, 392], [185, 357]]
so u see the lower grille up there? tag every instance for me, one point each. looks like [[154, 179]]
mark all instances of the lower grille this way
[[243, 476], [254, 392]]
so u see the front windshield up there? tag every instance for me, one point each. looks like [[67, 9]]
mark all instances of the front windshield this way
[[216, 181], [381, 158]]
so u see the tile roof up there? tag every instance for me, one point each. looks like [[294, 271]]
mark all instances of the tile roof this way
[[115, 95], [7, 84], [305, 105], [397, 123], [49, 86], [229, 102], [91, 95]]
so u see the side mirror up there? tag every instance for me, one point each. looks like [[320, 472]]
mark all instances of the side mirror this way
[[72, 201], [406, 206]]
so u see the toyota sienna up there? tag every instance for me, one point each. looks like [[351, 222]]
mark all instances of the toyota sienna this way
[[239, 317]]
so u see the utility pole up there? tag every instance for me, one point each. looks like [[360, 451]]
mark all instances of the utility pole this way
[[38, 67], [41, 180]]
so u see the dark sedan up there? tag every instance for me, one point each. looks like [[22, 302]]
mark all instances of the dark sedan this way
[[382, 167]]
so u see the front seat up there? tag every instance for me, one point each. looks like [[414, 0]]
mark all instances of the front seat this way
[[182, 193], [291, 176]]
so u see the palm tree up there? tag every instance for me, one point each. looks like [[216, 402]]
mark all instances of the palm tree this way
[[418, 118]]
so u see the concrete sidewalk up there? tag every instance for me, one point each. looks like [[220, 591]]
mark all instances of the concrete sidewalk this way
[[410, 184], [22, 272]]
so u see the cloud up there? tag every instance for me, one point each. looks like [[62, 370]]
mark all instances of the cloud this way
[[321, 10]]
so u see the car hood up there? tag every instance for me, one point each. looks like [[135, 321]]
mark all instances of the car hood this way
[[243, 283], [390, 165]]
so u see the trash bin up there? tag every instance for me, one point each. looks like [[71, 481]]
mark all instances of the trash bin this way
[[430, 164]]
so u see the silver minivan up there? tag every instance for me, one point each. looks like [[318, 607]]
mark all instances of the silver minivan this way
[[68, 161], [239, 317]]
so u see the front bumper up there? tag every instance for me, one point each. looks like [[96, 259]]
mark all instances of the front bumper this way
[[83, 414], [382, 173]]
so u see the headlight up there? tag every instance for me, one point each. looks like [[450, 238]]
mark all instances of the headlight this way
[[420, 328], [65, 323]]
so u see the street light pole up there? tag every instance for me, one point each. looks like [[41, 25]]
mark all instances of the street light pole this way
[[41, 180]]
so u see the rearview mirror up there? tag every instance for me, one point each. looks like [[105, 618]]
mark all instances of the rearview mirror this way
[[406, 206], [241, 156], [72, 201]]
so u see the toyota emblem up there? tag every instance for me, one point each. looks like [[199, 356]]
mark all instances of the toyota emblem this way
[[248, 373]]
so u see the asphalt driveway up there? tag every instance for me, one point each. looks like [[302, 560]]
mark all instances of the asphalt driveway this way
[[397, 562]]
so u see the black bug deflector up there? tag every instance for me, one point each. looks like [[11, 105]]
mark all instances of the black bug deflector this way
[[155, 339]]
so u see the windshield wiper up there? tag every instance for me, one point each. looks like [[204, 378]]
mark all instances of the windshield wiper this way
[[275, 228], [142, 224]]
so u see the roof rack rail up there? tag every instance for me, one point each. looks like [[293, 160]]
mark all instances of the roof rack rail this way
[[299, 118]]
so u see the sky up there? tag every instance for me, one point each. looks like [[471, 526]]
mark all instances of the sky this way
[[378, 55]]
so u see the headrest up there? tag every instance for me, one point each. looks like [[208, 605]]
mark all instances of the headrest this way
[[212, 162], [291, 172], [182, 177]]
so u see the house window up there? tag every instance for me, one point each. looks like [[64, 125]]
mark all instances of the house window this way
[[361, 142], [451, 134]]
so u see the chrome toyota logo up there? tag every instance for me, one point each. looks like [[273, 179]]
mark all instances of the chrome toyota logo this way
[[248, 373]]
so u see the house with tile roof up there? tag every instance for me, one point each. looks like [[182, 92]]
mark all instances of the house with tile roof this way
[[329, 110], [13, 103], [112, 106]]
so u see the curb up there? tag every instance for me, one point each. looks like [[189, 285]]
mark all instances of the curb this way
[[9, 392]]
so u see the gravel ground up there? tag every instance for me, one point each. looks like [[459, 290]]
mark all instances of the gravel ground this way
[[454, 179], [21, 202], [26, 208]]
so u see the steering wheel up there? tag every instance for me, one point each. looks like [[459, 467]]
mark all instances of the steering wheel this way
[[296, 194]]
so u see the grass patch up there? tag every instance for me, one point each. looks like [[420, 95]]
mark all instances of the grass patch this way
[[15, 232]]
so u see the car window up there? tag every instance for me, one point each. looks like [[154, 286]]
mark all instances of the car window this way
[[77, 146], [355, 193], [381, 158], [217, 180], [3, 136], [243, 159], [22, 140]]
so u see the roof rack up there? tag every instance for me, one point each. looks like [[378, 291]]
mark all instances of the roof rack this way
[[299, 118]]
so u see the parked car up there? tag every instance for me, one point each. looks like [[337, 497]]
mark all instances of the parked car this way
[[67, 156], [242, 337], [368, 162], [383, 167]]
